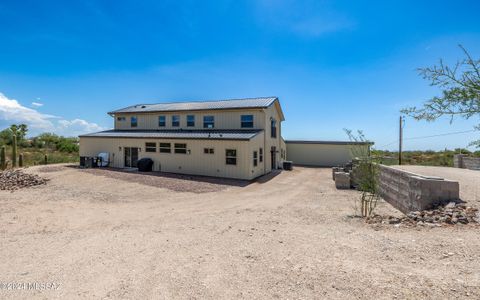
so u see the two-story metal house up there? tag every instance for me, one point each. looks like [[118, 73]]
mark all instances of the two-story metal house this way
[[239, 138]]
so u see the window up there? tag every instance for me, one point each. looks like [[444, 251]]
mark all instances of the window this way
[[255, 159], [162, 121], [150, 147], [121, 119], [133, 121], [175, 120], [260, 151], [273, 128], [208, 122], [165, 148], [231, 157], [190, 121], [246, 121], [208, 151], [181, 148]]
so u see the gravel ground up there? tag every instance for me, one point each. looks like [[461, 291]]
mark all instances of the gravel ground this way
[[287, 236]]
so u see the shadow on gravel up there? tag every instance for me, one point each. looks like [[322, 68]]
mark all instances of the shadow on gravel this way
[[174, 181]]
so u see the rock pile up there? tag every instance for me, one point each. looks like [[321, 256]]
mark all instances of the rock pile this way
[[11, 180], [452, 213]]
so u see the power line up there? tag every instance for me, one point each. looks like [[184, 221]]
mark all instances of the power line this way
[[441, 134], [429, 136], [391, 143]]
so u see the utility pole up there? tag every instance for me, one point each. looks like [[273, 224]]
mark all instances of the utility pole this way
[[400, 141]]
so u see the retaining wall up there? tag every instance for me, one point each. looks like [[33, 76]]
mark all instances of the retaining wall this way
[[465, 162], [412, 192]]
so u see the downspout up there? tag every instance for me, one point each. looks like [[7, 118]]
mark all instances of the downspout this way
[[264, 143]]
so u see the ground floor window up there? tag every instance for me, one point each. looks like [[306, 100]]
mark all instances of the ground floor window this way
[[255, 159], [181, 148], [231, 156], [150, 147], [208, 151], [165, 148], [260, 151]]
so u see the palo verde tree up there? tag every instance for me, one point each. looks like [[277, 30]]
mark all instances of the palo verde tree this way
[[460, 96]]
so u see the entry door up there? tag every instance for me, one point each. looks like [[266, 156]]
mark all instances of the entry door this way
[[131, 157], [273, 155]]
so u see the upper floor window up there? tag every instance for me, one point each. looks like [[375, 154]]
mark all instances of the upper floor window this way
[[162, 121], [121, 119], [150, 147], [133, 121], [255, 160], [190, 121], [175, 120], [260, 151], [246, 121], [273, 128], [208, 122]]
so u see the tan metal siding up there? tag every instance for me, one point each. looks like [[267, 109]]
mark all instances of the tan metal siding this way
[[272, 112], [225, 119], [196, 163]]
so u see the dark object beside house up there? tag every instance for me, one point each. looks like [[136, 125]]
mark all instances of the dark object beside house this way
[[145, 165], [88, 162], [288, 165], [82, 161]]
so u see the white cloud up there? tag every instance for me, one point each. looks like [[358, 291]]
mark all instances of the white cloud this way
[[12, 112], [37, 104], [76, 127]]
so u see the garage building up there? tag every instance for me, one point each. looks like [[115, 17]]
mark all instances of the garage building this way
[[324, 153]]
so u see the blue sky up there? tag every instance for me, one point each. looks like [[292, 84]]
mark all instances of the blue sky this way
[[333, 64]]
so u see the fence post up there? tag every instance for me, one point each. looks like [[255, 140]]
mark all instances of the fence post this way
[[3, 159], [14, 150]]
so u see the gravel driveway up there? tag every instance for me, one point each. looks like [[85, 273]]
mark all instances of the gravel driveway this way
[[290, 236]]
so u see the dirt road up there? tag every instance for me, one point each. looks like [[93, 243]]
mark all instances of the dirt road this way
[[288, 236]]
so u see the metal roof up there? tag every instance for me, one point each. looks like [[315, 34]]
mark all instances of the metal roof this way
[[260, 102], [328, 142], [178, 134]]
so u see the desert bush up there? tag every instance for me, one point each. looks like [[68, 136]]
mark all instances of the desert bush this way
[[364, 173]]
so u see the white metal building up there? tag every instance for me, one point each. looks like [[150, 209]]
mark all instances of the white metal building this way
[[324, 153]]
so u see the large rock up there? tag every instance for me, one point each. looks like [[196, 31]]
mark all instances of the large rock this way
[[335, 170], [342, 180]]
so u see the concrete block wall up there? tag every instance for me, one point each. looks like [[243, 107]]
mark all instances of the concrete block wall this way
[[458, 160], [412, 192], [342, 180], [471, 163], [465, 162]]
